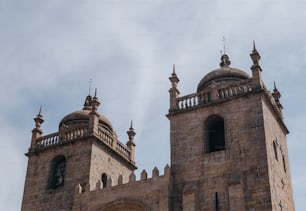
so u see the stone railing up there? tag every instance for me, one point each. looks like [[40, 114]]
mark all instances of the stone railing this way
[[48, 140], [75, 133], [202, 98], [193, 100], [236, 90], [123, 150], [103, 135]]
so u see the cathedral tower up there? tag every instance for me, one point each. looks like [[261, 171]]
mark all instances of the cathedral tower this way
[[84, 151], [228, 143]]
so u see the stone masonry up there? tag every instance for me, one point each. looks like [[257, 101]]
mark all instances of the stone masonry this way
[[228, 153]]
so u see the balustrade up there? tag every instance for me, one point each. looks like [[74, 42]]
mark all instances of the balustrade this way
[[104, 135], [193, 100], [49, 140], [234, 90], [123, 150], [201, 98]]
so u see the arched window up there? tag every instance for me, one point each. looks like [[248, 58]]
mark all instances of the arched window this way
[[57, 172], [104, 180], [214, 134]]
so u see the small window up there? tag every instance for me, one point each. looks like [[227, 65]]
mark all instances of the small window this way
[[284, 164], [214, 134], [104, 180], [57, 173], [275, 150]]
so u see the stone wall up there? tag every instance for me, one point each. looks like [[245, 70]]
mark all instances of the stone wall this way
[[145, 194], [278, 162], [38, 195], [235, 178]]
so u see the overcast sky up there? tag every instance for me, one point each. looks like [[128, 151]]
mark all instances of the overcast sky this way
[[49, 50]]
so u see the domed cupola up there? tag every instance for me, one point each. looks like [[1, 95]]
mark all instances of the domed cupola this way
[[81, 118], [225, 74]]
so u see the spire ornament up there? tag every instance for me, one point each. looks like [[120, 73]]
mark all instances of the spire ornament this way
[[38, 119], [225, 61], [95, 102], [255, 56], [37, 132], [277, 95], [174, 92]]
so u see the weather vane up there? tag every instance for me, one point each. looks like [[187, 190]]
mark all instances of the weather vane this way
[[90, 83], [223, 40]]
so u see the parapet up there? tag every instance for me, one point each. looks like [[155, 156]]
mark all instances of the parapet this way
[[132, 180]]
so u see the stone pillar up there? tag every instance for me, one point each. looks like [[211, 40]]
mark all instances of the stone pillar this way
[[174, 92], [131, 144], [256, 69], [37, 132], [94, 116]]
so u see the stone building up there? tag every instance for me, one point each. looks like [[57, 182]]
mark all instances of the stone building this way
[[228, 152]]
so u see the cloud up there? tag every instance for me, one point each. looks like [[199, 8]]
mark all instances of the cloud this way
[[50, 50]]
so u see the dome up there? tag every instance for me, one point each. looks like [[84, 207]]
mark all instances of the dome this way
[[82, 116], [224, 73]]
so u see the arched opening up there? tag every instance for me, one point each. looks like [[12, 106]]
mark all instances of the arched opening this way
[[214, 134], [275, 150], [57, 172], [104, 180], [126, 205]]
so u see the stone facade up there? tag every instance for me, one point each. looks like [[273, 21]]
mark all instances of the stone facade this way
[[228, 152]]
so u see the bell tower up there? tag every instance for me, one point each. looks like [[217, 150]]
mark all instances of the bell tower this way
[[85, 152], [228, 143]]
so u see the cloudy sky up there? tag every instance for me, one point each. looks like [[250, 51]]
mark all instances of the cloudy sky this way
[[49, 50]]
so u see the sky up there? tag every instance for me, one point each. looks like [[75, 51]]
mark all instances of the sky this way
[[51, 49]]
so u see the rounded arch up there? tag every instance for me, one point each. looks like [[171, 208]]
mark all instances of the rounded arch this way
[[104, 180], [126, 205], [57, 172], [214, 133]]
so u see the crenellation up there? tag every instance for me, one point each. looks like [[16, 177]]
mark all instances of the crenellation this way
[[132, 177], [144, 175], [228, 152]]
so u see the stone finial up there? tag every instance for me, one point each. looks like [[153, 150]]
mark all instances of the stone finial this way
[[256, 69], [155, 172], [131, 144], [144, 175], [95, 102], [255, 56], [36, 132], [173, 78], [131, 132], [277, 95], [38, 119], [225, 61], [174, 92]]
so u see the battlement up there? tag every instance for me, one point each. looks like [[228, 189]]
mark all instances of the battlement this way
[[156, 178]]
